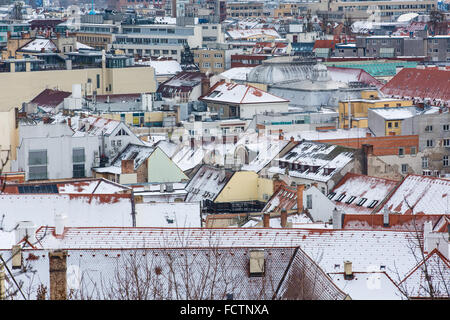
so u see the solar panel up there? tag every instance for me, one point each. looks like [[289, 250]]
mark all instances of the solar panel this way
[[45, 188]]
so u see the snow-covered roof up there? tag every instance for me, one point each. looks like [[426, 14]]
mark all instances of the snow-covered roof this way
[[89, 125], [81, 210], [39, 45], [169, 148], [239, 34], [421, 195], [396, 113], [163, 67], [368, 286], [174, 214], [207, 183], [238, 73], [317, 135], [349, 194], [239, 93], [314, 161], [138, 153], [378, 250], [266, 147], [284, 198]]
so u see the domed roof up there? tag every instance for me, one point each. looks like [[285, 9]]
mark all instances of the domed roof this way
[[287, 69]]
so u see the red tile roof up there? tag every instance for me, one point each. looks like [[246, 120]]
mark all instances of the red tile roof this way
[[324, 44], [428, 83]]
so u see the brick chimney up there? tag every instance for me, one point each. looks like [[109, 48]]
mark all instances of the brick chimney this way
[[283, 218], [292, 139], [205, 86], [127, 166], [300, 189], [58, 277], [266, 220], [192, 143], [235, 139], [69, 122]]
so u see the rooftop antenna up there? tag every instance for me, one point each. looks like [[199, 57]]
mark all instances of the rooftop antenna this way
[[92, 9]]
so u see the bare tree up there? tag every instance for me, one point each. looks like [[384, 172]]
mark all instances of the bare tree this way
[[436, 283]]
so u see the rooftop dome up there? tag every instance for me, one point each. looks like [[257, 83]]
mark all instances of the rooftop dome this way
[[287, 69]]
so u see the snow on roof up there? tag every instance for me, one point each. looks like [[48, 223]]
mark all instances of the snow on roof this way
[[174, 214], [284, 198], [355, 188], [368, 286], [381, 250], [90, 125], [83, 46], [314, 161], [138, 153], [7, 239], [163, 67], [347, 75], [240, 34], [423, 83], [39, 45], [266, 147], [297, 220], [425, 195], [238, 73], [207, 183], [80, 209], [317, 135], [95, 186], [239, 93], [395, 113], [187, 158], [184, 81], [168, 147], [438, 266]]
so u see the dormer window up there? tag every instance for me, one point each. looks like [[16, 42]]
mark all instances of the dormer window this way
[[340, 198], [350, 200], [361, 201]]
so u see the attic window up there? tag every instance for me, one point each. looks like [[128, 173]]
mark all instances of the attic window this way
[[382, 267], [331, 195], [361, 201], [122, 132], [339, 199], [350, 200], [373, 204]]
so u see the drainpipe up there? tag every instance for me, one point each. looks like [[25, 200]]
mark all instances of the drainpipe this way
[[133, 209]]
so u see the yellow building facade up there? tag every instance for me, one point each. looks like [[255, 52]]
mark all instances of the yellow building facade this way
[[357, 117], [246, 186]]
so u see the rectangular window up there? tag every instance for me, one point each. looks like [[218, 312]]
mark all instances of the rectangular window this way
[[389, 124], [445, 161], [98, 81], [331, 195], [429, 143], [339, 199], [445, 127], [404, 168], [308, 201], [401, 151], [446, 142], [37, 164], [350, 200], [372, 204], [424, 162], [78, 155], [78, 170], [413, 150], [428, 128], [361, 201]]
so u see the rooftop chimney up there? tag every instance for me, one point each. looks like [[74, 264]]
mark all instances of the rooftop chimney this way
[[266, 220], [337, 219], [283, 218], [300, 190], [58, 275], [60, 222], [348, 272], [385, 216]]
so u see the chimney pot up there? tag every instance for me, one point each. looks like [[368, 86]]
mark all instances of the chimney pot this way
[[266, 220], [348, 272], [283, 218]]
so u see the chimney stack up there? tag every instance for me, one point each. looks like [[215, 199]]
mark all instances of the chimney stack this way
[[60, 221], [58, 275], [385, 216], [348, 272], [283, 218], [337, 219], [266, 220], [300, 190], [127, 166], [192, 143]]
